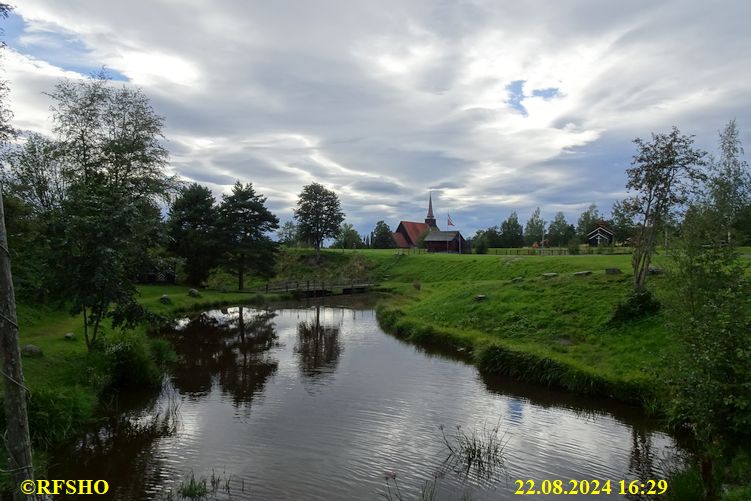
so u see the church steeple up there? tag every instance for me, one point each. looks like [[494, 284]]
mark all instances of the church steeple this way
[[430, 218]]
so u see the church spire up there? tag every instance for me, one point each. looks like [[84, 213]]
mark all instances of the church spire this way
[[430, 218]]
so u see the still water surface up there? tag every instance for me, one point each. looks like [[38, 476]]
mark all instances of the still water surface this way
[[317, 402]]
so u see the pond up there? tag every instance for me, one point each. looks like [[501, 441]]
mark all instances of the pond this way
[[317, 402]]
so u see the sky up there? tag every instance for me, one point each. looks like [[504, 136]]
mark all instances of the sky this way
[[494, 106]]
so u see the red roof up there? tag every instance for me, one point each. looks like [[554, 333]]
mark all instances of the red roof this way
[[412, 231], [400, 241]]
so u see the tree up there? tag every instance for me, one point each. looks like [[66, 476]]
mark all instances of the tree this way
[[348, 238], [37, 174], [287, 234], [534, 230], [587, 222], [621, 222], [16, 434], [729, 184], [244, 225], [382, 236], [192, 231], [318, 214], [511, 232], [663, 174], [110, 141], [559, 231], [708, 313]]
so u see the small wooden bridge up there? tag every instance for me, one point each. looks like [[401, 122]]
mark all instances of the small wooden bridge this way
[[316, 288]]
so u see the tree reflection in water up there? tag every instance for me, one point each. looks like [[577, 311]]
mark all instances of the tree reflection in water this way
[[230, 346], [318, 348]]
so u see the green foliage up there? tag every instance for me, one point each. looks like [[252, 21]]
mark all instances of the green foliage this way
[[220, 279], [661, 178], [318, 214], [685, 485], [559, 231], [348, 238], [709, 313], [130, 362], [511, 232], [534, 229], [287, 234], [573, 246], [638, 304], [192, 231], [480, 245], [587, 222], [244, 225], [382, 237], [622, 223]]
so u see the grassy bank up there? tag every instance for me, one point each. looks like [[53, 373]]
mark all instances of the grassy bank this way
[[551, 330]]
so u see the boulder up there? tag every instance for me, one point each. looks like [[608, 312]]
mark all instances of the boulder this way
[[655, 270], [613, 271], [165, 299], [582, 273], [194, 293], [550, 275], [69, 336], [481, 297], [31, 350]]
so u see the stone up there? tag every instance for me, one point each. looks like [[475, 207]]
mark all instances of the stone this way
[[549, 275], [655, 270], [31, 350], [517, 279], [582, 273], [194, 293], [165, 299], [613, 271], [69, 336], [481, 297]]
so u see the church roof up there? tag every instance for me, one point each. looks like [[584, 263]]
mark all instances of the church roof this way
[[414, 230], [441, 236], [430, 207], [400, 241]]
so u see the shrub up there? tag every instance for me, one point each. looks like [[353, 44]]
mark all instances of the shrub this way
[[573, 247], [636, 306], [221, 280], [481, 247], [130, 361]]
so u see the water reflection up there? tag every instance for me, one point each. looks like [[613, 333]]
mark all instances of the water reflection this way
[[230, 346], [318, 347], [123, 447]]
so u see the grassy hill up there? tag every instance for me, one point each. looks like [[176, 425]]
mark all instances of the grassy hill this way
[[553, 330]]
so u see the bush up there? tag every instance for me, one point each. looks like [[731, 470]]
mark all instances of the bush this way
[[221, 280], [481, 247], [573, 246], [130, 362], [638, 305]]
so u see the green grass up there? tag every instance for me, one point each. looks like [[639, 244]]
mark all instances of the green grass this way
[[549, 330]]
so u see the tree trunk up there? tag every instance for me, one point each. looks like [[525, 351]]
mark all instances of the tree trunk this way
[[17, 425], [707, 478], [241, 272]]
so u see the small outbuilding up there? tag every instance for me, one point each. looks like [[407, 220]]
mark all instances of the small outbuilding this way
[[601, 235], [446, 241]]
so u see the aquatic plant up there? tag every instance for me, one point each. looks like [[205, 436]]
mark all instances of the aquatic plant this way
[[478, 454]]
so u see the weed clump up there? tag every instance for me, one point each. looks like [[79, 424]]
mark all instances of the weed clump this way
[[636, 306]]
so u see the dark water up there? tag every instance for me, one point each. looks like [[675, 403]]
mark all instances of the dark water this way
[[318, 402]]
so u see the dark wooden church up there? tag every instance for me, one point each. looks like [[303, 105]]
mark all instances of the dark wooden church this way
[[409, 235]]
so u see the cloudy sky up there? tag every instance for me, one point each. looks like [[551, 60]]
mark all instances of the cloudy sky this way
[[496, 106]]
